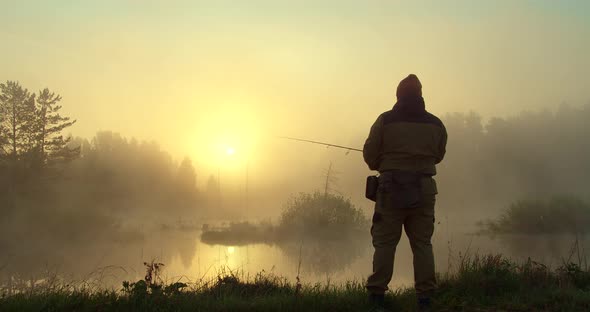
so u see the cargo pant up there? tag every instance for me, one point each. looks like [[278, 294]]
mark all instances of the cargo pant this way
[[418, 223]]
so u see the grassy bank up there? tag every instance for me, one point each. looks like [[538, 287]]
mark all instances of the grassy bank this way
[[488, 283]]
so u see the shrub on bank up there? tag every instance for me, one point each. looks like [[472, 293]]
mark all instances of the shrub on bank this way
[[480, 283], [322, 215], [558, 215]]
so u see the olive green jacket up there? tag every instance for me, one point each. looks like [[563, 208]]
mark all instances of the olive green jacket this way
[[406, 138]]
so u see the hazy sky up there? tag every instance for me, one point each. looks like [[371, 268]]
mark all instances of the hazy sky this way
[[198, 75]]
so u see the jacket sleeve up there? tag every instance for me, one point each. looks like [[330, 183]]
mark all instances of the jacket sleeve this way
[[372, 147], [442, 147]]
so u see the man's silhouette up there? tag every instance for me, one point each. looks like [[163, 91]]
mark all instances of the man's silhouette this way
[[404, 145]]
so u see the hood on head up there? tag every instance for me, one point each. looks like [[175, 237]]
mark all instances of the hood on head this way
[[409, 87], [409, 97]]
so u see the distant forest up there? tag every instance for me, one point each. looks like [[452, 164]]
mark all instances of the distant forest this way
[[72, 189], [48, 179], [533, 155]]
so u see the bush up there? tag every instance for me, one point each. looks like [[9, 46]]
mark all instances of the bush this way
[[558, 215], [322, 215]]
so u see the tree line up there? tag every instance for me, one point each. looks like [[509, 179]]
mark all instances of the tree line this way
[[62, 194], [31, 128], [55, 185], [532, 155]]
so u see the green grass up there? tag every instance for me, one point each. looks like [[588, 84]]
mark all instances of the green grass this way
[[479, 283]]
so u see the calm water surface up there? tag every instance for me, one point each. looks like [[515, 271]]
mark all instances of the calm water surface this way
[[107, 263]]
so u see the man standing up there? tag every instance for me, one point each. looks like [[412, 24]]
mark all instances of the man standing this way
[[404, 145]]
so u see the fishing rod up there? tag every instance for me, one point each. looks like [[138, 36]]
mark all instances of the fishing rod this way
[[372, 180], [322, 143]]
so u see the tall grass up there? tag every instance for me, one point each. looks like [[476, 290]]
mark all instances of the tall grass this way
[[478, 283]]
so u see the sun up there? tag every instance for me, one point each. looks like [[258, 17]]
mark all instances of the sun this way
[[230, 151]]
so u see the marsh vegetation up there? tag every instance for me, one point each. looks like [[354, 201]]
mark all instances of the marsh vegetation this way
[[479, 283], [553, 229], [306, 217]]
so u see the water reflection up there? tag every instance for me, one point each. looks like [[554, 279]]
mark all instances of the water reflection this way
[[316, 256], [109, 257], [325, 257], [109, 260], [550, 249], [320, 250]]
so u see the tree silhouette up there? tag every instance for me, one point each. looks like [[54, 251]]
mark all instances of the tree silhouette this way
[[3, 132], [51, 144], [18, 106]]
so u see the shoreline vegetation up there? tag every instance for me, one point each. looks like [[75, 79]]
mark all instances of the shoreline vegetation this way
[[320, 216], [476, 283]]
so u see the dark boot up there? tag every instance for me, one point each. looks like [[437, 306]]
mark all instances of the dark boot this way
[[424, 304], [377, 300]]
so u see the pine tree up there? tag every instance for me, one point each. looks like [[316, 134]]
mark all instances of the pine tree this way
[[4, 150], [3, 132], [18, 110], [51, 144]]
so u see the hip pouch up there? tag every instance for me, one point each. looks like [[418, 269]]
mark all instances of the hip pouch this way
[[404, 188], [371, 187]]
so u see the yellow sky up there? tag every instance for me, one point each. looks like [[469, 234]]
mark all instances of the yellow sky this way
[[199, 76]]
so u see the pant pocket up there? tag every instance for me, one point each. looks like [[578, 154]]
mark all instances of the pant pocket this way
[[428, 186]]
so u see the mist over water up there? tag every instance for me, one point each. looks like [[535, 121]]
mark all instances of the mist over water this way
[[128, 131], [124, 202]]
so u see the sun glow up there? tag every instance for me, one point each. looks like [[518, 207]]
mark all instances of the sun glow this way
[[231, 250], [228, 138]]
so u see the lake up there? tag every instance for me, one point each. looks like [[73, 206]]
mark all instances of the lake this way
[[107, 262]]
